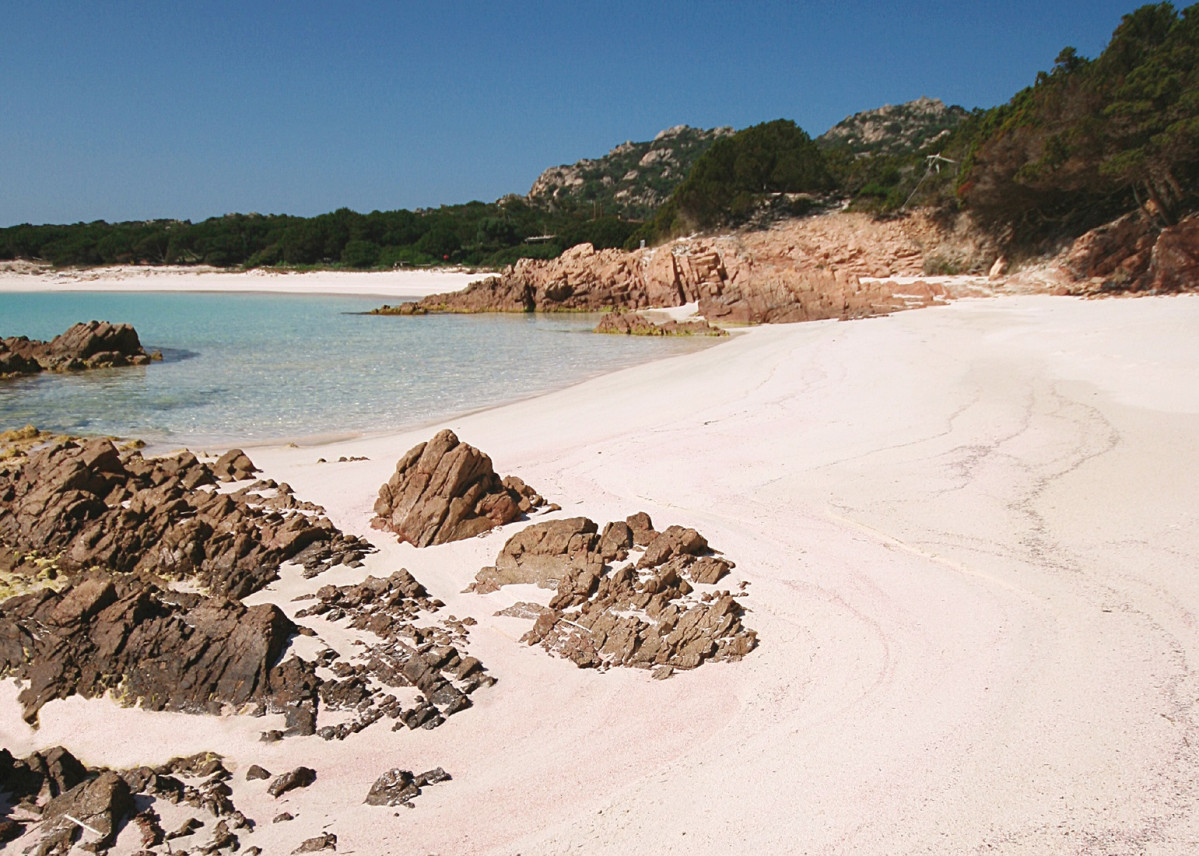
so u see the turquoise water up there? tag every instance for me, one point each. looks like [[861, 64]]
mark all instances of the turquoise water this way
[[256, 368]]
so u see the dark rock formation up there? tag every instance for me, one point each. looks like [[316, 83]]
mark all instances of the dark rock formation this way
[[234, 465], [80, 504], [324, 841], [188, 827], [99, 802], [41, 776], [222, 839], [256, 772], [399, 787], [91, 812], [445, 490], [165, 650], [300, 777], [543, 554], [407, 655], [96, 344], [636, 324], [643, 615]]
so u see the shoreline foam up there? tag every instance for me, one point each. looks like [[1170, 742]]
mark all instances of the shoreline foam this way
[[970, 537]]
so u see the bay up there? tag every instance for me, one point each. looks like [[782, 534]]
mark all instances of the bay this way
[[251, 368]]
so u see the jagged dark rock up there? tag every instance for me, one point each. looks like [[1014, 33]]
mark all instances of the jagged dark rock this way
[[222, 839], [95, 344], [41, 776], [162, 649], [188, 827], [324, 841], [446, 490], [407, 654], [400, 787], [542, 554], [91, 812], [300, 777], [80, 504], [644, 615], [93, 806]]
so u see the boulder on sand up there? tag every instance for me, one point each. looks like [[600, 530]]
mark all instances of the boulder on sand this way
[[446, 490]]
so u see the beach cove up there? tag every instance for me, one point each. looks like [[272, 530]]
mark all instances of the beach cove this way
[[968, 534]]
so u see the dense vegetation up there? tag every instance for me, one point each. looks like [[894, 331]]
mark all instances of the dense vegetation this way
[[477, 233], [879, 158], [1089, 140], [1093, 138], [733, 177]]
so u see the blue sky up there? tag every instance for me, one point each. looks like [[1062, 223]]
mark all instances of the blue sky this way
[[138, 110]]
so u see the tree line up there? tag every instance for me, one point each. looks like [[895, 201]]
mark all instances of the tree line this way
[[473, 234]]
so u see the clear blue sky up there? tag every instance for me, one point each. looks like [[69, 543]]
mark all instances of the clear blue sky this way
[[135, 110]]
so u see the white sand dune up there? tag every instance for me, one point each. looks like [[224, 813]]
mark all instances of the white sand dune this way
[[971, 537]]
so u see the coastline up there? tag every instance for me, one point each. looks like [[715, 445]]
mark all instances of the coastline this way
[[969, 537], [130, 278]]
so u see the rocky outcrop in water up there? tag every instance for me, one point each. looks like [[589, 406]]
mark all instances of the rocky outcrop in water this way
[[91, 345], [76, 504], [644, 614], [636, 324], [446, 490]]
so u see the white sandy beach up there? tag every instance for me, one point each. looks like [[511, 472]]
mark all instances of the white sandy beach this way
[[400, 283], [970, 535]]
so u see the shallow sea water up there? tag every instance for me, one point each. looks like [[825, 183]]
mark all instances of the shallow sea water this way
[[250, 368]]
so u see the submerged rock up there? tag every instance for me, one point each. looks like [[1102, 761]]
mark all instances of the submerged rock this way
[[636, 324]]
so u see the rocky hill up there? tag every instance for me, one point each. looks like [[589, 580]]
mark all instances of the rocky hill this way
[[633, 179], [897, 129]]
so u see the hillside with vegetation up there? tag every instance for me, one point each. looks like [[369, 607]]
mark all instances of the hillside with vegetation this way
[[880, 157], [1092, 139], [1088, 141], [632, 180], [892, 130], [774, 162]]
